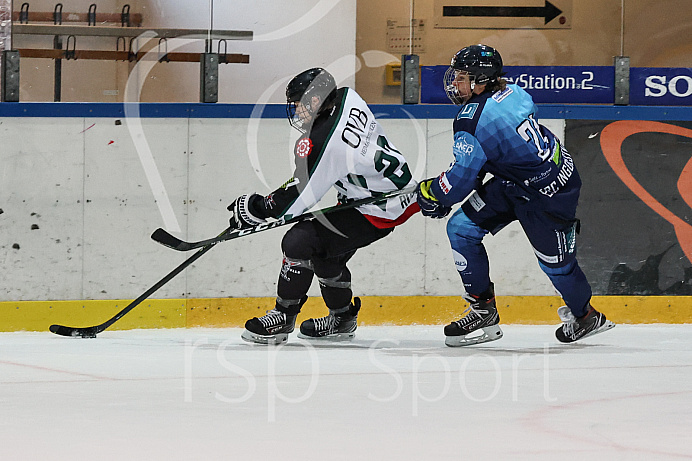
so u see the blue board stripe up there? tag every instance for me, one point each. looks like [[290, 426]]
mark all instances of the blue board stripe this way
[[382, 111]]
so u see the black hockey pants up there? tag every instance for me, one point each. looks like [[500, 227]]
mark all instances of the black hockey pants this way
[[322, 247]]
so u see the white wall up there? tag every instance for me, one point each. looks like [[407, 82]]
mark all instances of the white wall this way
[[88, 185], [288, 37]]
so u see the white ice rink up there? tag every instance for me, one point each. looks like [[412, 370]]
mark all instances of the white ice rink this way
[[393, 393]]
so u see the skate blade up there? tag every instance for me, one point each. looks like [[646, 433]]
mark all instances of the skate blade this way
[[605, 327], [260, 339], [337, 337], [492, 333]]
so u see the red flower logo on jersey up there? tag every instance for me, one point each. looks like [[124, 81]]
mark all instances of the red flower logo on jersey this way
[[303, 147]]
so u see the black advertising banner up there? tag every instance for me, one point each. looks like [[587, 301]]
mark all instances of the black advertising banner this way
[[635, 206]]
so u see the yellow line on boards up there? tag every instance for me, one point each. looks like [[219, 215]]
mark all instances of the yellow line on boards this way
[[39, 315], [376, 310]]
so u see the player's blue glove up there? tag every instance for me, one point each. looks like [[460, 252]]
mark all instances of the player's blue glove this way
[[244, 215], [429, 205]]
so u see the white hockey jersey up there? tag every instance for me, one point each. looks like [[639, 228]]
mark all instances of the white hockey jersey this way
[[346, 148]]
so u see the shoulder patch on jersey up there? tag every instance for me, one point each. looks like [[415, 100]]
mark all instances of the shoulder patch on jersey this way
[[303, 147], [500, 95], [468, 111]]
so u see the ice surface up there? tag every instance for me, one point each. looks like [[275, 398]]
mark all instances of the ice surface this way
[[392, 393]]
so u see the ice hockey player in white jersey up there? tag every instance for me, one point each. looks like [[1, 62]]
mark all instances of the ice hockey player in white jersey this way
[[342, 146]]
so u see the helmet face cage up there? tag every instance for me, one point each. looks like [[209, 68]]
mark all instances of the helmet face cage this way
[[295, 121], [451, 87], [301, 89]]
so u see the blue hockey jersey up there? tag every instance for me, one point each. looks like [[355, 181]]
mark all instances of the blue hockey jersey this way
[[498, 133]]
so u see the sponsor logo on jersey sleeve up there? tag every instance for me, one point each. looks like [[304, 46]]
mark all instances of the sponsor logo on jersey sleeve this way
[[303, 147], [444, 183], [462, 146]]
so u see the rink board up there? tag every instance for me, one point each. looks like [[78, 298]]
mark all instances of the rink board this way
[[80, 201]]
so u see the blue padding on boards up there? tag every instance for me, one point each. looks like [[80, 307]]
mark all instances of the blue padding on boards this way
[[142, 110], [661, 86], [278, 111], [431, 88], [546, 84]]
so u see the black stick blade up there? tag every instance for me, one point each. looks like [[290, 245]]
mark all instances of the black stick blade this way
[[89, 332], [166, 239]]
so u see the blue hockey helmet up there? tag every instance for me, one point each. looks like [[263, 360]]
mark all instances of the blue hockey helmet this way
[[482, 63]]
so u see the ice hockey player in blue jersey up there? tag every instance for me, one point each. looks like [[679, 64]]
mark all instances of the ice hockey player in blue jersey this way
[[532, 179]]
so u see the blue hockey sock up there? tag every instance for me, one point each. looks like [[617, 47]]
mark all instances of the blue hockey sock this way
[[470, 257], [571, 282]]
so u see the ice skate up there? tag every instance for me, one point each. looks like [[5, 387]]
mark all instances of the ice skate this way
[[339, 325], [574, 329], [272, 328], [479, 325]]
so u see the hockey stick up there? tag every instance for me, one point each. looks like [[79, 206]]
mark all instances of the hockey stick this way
[[228, 234], [166, 239], [91, 332]]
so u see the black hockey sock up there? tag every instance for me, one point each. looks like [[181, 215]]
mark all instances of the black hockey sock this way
[[336, 291]]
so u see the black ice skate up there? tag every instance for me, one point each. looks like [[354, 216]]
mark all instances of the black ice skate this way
[[480, 325], [272, 328], [275, 326], [576, 328], [339, 325]]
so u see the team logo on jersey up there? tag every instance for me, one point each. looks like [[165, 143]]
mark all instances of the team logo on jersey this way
[[468, 111], [444, 183], [303, 147]]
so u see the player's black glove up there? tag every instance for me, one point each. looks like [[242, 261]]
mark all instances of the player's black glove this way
[[429, 205], [244, 215]]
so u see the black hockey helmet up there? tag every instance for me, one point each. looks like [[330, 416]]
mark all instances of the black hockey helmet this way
[[482, 63], [312, 82]]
